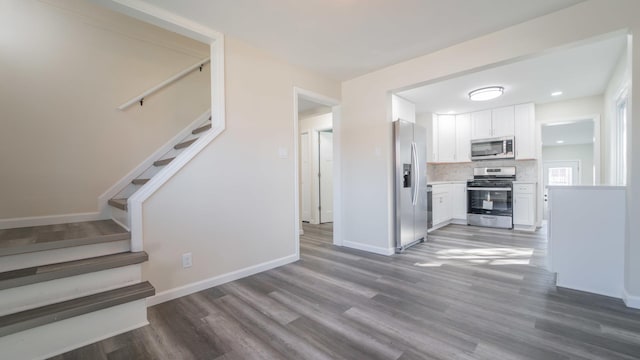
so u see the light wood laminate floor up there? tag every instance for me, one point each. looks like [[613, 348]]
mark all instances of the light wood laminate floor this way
[[468, 293]]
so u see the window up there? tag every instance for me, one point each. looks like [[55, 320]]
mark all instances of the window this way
[[621, 141], [560, 176]]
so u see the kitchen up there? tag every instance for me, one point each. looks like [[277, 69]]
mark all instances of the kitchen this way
[[484, 159]]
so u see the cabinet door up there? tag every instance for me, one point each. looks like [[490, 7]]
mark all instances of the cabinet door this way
[[502, 121], [459, 201], [434, 139], [524, 124], [524, 206], [446, 138], [437, 208], [481, 125], [463, 138]]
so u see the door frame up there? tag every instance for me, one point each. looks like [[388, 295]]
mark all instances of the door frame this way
[[334, 104], [318, 132], [596, 154]]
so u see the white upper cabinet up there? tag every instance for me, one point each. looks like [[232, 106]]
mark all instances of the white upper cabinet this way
[[525, 130], [463, 138], [445, 130], [502, 121], [481, 125], [492, 123], [451, 138]]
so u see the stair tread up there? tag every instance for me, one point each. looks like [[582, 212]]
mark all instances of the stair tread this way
[[201, 129], [36, 274], [118, 203], [163, 162], [47, 314], [185, 144], [140, 181], [48, 237]]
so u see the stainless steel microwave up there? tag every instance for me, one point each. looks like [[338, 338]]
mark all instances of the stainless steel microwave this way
[[495, 148]]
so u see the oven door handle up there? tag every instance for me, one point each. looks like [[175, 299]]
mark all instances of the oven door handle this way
[[489, 189]]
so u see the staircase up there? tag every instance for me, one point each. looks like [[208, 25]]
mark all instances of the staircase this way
[[119, 203], [68, 285]]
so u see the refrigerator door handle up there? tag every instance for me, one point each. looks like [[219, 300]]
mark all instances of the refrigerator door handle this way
[[416, 172]]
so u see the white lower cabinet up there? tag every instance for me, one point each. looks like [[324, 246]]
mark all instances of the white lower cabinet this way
[[524, 206], [449, 203], [441, 202], [459, 201]]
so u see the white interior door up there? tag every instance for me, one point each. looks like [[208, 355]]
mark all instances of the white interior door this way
[[325, 139], [305, 178], [563, 173]]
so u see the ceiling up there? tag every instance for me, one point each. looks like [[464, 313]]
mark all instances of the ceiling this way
[[576, 133], [347, 38], [577, 72]]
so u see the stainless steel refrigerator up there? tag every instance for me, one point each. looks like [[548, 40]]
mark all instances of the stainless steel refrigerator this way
[[410, 154]]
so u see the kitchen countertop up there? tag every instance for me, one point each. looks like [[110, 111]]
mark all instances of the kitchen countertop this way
[[446, 182]]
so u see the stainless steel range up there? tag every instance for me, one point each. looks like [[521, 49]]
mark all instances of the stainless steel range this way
[[490, 197]]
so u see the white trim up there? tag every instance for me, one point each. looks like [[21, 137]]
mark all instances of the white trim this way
[[337, 188], [631, 301], [219, 280], [158, 16], [167, 82], [369, 248], [103, 207], [50, 220]]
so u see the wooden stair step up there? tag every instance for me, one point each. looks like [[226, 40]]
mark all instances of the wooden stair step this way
[[163, 162], [118, 203], [49, 237], [140, 181], [47, 314], [185, 144], [37, 274], [201, 129]]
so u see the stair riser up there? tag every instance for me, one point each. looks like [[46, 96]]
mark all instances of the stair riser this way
[[121, 217], [35, 295], [21, 261], [59, 337]]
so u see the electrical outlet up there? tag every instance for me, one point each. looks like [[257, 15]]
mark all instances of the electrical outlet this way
[[187, 260]]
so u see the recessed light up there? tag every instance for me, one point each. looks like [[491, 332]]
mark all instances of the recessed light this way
[[560, 142], [556, 93], [487, 93]]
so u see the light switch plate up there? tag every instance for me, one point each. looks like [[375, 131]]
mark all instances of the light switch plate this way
[[283, 152], [187, 260]]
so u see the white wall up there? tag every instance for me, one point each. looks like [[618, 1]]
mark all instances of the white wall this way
[[311, 125], [66, 66], [582, 152], [367, 160], [233, 205]]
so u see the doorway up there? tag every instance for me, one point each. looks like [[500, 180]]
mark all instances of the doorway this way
[[570, 155], [316, 156]]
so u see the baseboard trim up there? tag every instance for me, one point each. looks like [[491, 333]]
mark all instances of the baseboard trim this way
[[369, 248], [188, 289], [49, 220], [631, 301]]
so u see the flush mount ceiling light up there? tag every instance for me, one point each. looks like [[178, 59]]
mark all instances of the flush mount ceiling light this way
[[486, 93]]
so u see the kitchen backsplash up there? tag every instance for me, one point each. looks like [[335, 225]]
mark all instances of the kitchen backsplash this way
[[526, 170]]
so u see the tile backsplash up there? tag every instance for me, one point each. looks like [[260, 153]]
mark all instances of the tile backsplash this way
[[526, 170]]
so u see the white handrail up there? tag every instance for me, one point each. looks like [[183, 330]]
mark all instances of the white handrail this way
[[140, 98]]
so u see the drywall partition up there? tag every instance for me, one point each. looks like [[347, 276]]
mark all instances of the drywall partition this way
[[62, 140], [233, 205], [367, 165]]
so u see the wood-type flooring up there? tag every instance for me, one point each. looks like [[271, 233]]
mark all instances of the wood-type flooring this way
[[468, 293]]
